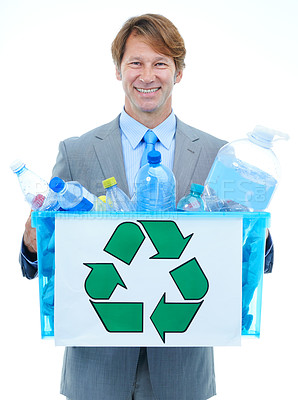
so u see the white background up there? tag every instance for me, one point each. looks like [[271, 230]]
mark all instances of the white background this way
[[57, 80]]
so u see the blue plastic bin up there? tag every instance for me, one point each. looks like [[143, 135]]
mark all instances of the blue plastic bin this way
[[254, 237]]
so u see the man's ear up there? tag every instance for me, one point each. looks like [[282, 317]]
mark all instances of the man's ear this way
[[118, 74], [178, 76]]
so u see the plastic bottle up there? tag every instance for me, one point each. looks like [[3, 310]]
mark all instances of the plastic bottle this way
[[72, 196], [116, 199], [155, 186], [213, 203], [101, 203], [245, 172], [193, 201], [35, 189]]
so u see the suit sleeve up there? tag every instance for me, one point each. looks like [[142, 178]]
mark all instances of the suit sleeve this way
[[28, 262], [269, 255]]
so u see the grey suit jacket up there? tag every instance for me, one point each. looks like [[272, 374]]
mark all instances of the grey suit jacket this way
[[108, 373], [97, 155]]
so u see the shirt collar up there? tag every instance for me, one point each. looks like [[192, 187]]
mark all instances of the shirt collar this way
[[135, 131]]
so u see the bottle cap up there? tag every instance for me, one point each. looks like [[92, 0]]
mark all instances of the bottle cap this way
[[265, 137], [195, 187], [16, 165], [109, 182], [57, 184], [154, 157]]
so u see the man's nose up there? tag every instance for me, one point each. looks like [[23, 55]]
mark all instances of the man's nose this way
[[147, 75]]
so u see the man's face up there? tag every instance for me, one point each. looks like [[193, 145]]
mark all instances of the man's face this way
[[148, 79]]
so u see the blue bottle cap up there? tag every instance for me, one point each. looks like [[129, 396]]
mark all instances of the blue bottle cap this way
[[57, 184], [154, 157], [195, 187]]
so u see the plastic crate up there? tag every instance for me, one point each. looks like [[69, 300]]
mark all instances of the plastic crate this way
[[253, 251]]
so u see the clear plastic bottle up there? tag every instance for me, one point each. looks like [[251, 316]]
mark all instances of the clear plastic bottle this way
[[213, 203], [72, 196], [101, 203], [245, 172], [35, 189], [193, 201], [116, 199], [155, 186]]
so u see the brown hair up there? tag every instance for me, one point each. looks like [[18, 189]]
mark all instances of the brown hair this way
[[158, 32]]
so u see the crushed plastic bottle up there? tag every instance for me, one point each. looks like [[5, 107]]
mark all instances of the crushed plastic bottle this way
[[213, 203], [116, 199], [155, 186], [193, 201], [35, 189]]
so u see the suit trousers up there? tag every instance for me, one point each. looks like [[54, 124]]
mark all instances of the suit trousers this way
[[142, 389]]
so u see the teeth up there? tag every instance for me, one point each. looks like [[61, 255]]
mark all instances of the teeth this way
[[147, 90]]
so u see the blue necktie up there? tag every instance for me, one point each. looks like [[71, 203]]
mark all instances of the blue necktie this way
[[150, 139]]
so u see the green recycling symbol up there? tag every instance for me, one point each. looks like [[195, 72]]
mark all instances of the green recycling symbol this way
[[123, 245]]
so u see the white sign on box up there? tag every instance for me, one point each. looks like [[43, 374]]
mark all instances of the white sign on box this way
[[148, 281]]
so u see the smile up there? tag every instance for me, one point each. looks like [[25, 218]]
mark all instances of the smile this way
[[147, 90]]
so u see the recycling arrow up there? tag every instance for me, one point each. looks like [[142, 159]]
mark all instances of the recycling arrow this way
[[102, 280], [125, 242], [166, 238], [120, 317], [190, 280], [173, 317]]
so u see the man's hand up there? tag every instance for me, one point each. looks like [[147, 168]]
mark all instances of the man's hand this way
[[30, 236]]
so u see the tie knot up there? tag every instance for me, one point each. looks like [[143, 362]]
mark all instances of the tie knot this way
[[150, 137]]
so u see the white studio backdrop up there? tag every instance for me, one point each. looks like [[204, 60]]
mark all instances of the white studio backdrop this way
[[57, 80]]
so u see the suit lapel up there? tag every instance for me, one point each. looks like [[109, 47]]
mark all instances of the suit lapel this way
[[187, 153], [108, 148]]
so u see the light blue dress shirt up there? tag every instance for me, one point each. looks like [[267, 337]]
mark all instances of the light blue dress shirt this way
[[132, 133]]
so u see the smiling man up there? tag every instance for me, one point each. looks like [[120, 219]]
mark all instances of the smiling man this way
[[148, 53], [148, 78]]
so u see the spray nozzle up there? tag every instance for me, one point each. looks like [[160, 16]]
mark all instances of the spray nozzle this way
[[265, 137]]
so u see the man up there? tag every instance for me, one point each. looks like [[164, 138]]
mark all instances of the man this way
[[149, 56]]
